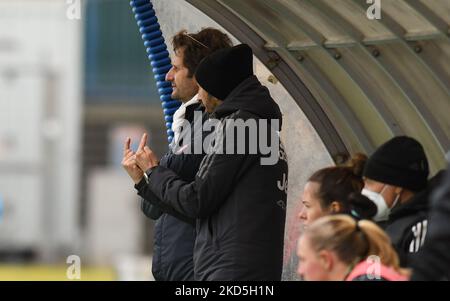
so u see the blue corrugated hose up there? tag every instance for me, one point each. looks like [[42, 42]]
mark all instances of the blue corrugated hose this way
[[158, 55]]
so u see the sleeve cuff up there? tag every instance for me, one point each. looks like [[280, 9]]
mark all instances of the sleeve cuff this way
[[143, 182], [140, 185]]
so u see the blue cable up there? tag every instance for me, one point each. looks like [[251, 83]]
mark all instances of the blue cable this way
[[159, 57]]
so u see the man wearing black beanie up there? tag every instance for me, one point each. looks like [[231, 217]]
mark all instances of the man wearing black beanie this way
[[221, 73], [239, 201], [396, 180]]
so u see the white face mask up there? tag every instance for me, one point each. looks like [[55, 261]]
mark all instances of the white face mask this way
[[383, 211]]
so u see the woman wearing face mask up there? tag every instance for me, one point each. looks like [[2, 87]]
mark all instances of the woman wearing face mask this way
[[336, 248], [335, 190], [396, 180]]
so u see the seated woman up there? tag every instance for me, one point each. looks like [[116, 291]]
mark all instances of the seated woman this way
[[338, 247], [335, 190]]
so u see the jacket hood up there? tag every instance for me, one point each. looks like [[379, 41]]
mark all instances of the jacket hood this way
[[250, 96]]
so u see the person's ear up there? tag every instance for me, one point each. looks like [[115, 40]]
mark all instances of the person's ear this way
[[335, 207], [326, 260]]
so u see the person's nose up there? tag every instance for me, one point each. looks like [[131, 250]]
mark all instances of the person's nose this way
[[169, 75], [302, 214]]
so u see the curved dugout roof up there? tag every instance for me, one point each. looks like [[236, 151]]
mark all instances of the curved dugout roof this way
[[359, 81]]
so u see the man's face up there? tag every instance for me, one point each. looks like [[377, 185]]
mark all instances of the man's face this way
[[209, 102], [184, 87], [387, 191]]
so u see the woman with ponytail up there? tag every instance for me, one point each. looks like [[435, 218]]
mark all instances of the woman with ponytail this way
[[339, 247], [335, 190]]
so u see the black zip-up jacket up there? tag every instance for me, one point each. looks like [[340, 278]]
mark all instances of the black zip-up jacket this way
[[174, 232], [432, 263], [408, 223], [239, 203]]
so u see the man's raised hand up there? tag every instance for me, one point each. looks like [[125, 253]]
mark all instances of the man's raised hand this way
[[129, 163], [145, 158]]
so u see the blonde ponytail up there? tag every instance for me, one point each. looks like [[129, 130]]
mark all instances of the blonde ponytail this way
[[379, 244], [352, 241]]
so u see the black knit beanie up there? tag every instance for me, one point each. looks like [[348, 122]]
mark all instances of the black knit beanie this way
[[221, 72], [400, 162]]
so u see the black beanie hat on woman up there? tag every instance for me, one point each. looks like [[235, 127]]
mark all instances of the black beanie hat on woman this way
[[400, 162], [221, 72]]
